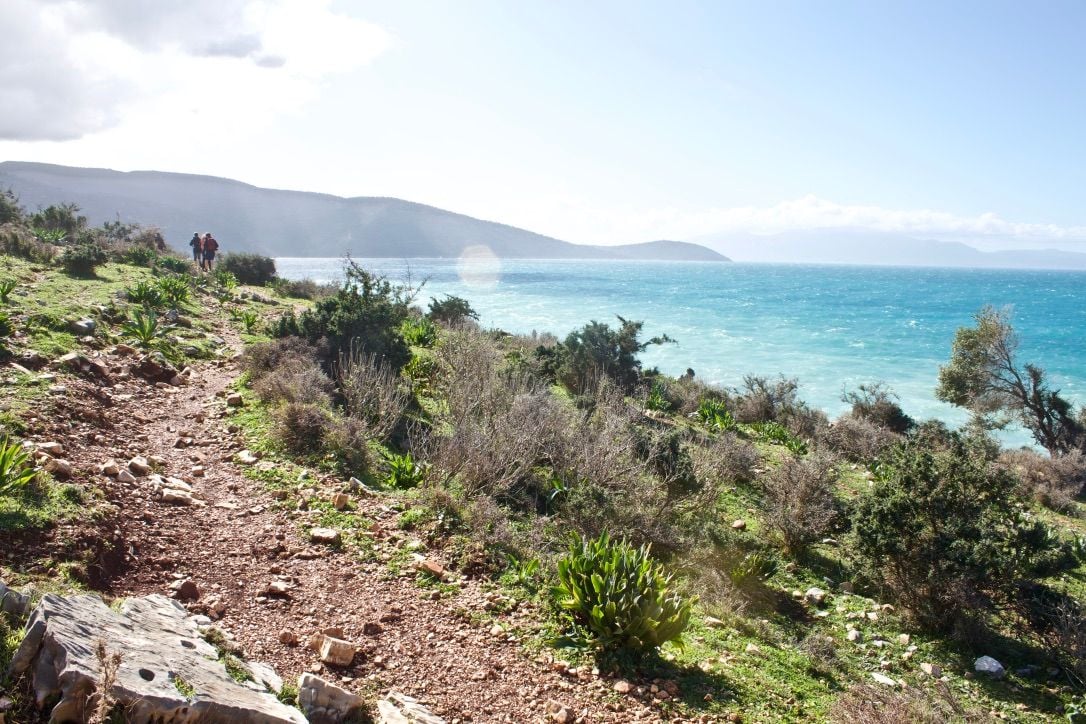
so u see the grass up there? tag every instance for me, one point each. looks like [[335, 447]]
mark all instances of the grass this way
[[40, 506], [183, 687]]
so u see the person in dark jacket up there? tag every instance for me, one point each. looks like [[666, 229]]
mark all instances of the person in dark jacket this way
[[197, 244]]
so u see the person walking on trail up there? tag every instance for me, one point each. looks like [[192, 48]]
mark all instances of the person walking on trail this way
[[197, 244], [210, 247]]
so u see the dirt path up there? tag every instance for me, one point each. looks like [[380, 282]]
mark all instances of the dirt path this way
[[444, 652]]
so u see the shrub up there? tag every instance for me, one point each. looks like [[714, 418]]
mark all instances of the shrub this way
[[858, 439], [365, 312], [11, 212], [174, 264], [17, 241], [878, 405], [596, 351], [83, 259], [799, 501], [139, 256], [16, 467], [1054, 482], [451, 310], [302, 426], [418, 332], [6, 327], [943, 531], [298, 380], [302, 288], [372, 394], [727, 459], [618, 597], [249, 268], [265, 357], [762, 400]]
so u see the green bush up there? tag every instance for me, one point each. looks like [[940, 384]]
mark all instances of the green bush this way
[[618, 597], [139, 256], [451, 310], [82, 259], [943, 531], [6, 327], [301, 288], [249, 268], [418, 332], [364, 315], [16, 467], [596, 351], [174, 264]]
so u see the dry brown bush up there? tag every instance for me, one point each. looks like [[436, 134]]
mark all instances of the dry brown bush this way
[[260, 359], [764, 400], [302, 427], [799, 500], [296, 380], [373, 393], [857, 439], [865, 704], [1054, 482], [728, 458]]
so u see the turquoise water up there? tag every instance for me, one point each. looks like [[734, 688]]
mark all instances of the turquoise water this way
[[829, 326]]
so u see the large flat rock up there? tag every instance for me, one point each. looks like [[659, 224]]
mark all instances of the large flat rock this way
[[162, 656]]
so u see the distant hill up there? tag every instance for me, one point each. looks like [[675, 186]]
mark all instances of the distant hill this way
[[860, 246], [296, 223]]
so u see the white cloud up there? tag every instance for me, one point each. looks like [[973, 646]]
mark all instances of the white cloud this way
[[72, 68], [569, 217]]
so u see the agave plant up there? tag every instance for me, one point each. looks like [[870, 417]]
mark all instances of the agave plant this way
[[144, 326], [249, 320], [715, 415], [403, 471], [7, 286], [145, 293], [174, 290], [16, 467], [618, 597]]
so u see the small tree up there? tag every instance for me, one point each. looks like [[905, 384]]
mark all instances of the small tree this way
[[10, 210], [596, 351], [451, 310], [62, 220], [984, 377]]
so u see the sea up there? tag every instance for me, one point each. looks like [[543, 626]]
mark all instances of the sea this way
[[831, 327]]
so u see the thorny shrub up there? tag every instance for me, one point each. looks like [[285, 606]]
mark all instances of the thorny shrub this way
[[373, 394], [857, 439], [302, 427], [1054, 482], [799, 500]]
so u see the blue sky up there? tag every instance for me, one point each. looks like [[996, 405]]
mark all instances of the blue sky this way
[[600, 122]]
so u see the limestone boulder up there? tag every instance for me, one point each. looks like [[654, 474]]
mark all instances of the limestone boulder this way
[[167, 672]]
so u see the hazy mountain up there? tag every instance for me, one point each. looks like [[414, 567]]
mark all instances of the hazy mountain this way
[[296, 223], [855, 246]]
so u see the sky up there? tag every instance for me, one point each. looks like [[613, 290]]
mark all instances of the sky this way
[[601, 122]]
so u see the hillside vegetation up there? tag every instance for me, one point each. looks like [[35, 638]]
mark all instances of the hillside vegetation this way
[[662, 549]]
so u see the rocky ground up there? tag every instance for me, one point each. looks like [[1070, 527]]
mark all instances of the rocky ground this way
[[187, 521]]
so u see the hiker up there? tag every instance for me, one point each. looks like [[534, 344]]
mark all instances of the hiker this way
[[210, 247], [197, 244]]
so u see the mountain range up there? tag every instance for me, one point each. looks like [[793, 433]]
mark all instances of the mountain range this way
[[297, 223], [879, 248]]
